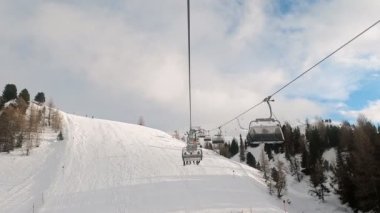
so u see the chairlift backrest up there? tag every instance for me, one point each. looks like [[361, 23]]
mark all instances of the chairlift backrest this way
[[265, 130], [191, 147], [218, 138], [192, 136]]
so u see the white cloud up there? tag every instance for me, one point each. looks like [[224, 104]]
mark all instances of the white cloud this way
[[371, 111], [312, 32], [240, 54], [251, 23], [110, 52]]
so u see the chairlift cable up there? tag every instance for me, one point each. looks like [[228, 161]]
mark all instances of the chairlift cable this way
[[302, 74], [238, 116]]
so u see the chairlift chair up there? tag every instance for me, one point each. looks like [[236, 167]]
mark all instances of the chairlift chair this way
[[265, 130], [192, 152], [218, 138], [201, 133], [207, 138]]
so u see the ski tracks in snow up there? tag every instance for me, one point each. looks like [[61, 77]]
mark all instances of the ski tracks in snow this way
[[106, 166]]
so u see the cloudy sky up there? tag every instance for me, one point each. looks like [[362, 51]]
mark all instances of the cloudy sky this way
[[123, 59]]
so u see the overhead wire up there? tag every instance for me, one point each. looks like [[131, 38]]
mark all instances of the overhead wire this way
[[299, 76], [239, 115]]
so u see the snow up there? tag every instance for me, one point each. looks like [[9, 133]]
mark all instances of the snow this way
[[107, 166], [23, 178], [298, 192], [10, 103], [330, 155]]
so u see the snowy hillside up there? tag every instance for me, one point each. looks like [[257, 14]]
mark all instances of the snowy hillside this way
[[106, 166], [298, 192]]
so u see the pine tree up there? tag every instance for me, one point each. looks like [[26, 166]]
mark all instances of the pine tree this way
[[9, 93], [315, 146], [289, 140], [24, 94], [234, 148], [333, 133], [268, 150], [251, 161], [242, 150], [276, 148], [318, 180], [2, 102], [343, 179], [298, 140], [366, 164], [343, 173], [60, 136], [40, 98], [224, 150]]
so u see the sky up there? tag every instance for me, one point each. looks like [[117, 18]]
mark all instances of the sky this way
[[125, 59]]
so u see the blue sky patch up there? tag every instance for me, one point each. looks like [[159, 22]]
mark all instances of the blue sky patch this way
[[369, 91], [284, 7]]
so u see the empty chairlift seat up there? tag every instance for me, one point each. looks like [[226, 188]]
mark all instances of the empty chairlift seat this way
[[265, 131], [218, 139]]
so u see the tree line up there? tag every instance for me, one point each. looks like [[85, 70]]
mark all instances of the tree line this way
[[354, 177], [227, 150], [21, 123]]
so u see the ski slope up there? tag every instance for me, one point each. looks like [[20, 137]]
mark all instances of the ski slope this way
[[106, 166]]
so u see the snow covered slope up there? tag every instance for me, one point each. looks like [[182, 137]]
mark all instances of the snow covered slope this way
[[106, 166], [299, 192]]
